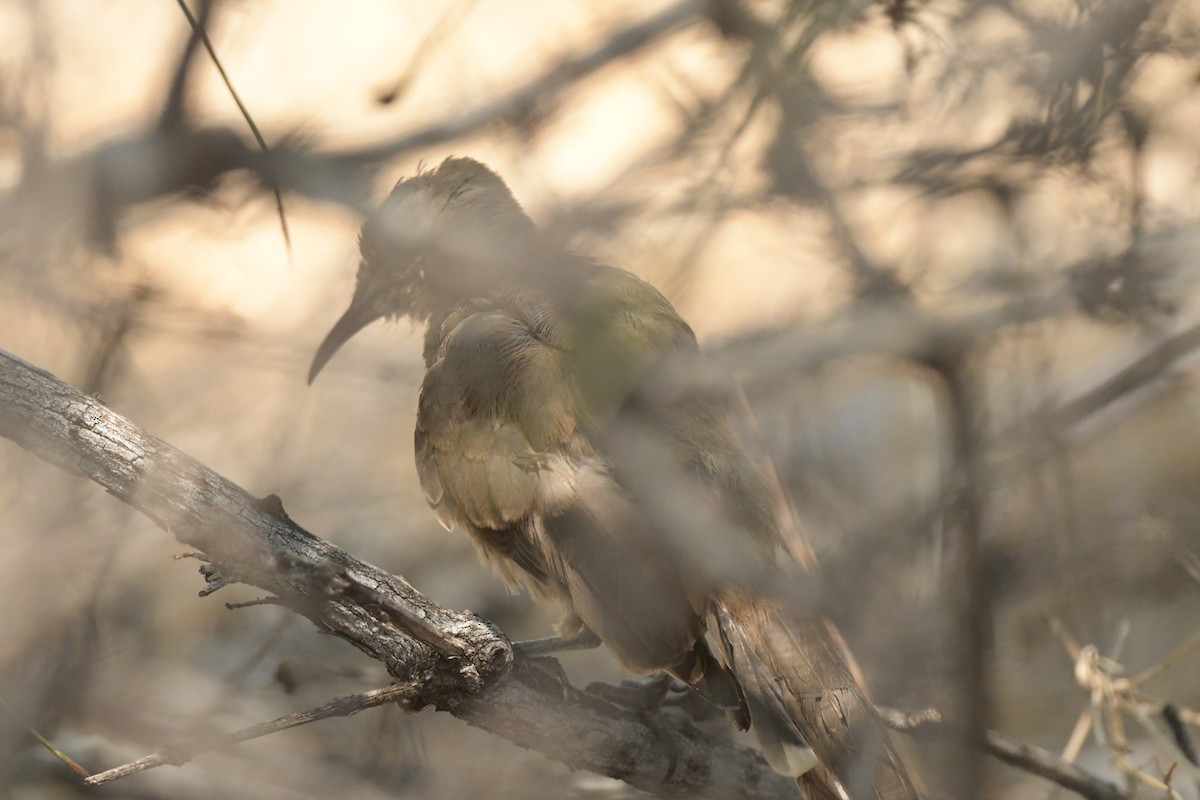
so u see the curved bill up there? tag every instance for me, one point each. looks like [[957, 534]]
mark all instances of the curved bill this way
[[357, 317]]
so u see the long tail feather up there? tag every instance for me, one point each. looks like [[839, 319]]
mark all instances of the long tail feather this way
[[812, 719]]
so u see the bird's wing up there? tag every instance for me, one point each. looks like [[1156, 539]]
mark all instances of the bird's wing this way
[[495, 422], [505, 448], [626, 329], [503, 422]]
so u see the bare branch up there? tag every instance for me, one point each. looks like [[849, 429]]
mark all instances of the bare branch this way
[[972, 574], [1011, 751], [1149, 366], [338, 707], [200, 30], [1049, 766], [173, 110], [460, 663]]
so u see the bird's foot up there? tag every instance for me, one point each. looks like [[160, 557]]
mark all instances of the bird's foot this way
[[549, 645], [646, 694], [659, 691], [691, 702]]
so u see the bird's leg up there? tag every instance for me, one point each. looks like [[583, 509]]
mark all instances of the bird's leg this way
[[549, 645]]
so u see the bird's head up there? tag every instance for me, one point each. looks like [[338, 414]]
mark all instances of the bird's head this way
[[441, 237]]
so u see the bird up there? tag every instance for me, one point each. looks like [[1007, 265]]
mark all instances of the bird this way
[[536, 358]]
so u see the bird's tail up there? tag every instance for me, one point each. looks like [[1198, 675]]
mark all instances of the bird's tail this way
[[812, 719]]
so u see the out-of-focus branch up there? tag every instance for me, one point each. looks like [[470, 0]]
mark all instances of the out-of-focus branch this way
[[1150, 365], [972, 575], [174, 158], [461, 663], [1045, 764], [895, 329], [1027, 757], [519, 102], [905, 331], [338, 707]]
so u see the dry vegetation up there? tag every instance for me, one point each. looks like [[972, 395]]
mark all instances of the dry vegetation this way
[[943, 254]]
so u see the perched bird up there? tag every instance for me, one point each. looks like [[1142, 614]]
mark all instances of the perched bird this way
[[535, 357]]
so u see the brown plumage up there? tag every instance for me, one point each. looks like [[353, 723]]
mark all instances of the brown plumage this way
[[532, 356]]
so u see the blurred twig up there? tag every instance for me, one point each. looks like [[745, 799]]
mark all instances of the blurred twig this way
[[174, 158], [520, 102], [173, 110], [973, 577], [450, 19], [1011, 751], [1147, 367], [338, 707], [59, 754], [892, 329]]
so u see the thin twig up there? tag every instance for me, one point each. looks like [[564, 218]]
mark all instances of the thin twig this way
[[197, 157], [54, 751], [338, 707], [1069, 642], [258, 601], [445, 24], [1148, 366], [59, 754], [1011, 751], [1046, 765], [200, 29], [172, 115], [1112, 698], [1167, 662]]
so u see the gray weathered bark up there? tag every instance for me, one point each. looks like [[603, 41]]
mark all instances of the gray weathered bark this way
[[465, 664]]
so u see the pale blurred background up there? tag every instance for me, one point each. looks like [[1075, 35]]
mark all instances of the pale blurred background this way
[[977, 153]]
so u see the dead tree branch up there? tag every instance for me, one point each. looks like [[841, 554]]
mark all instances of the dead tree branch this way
[[461, 663]]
